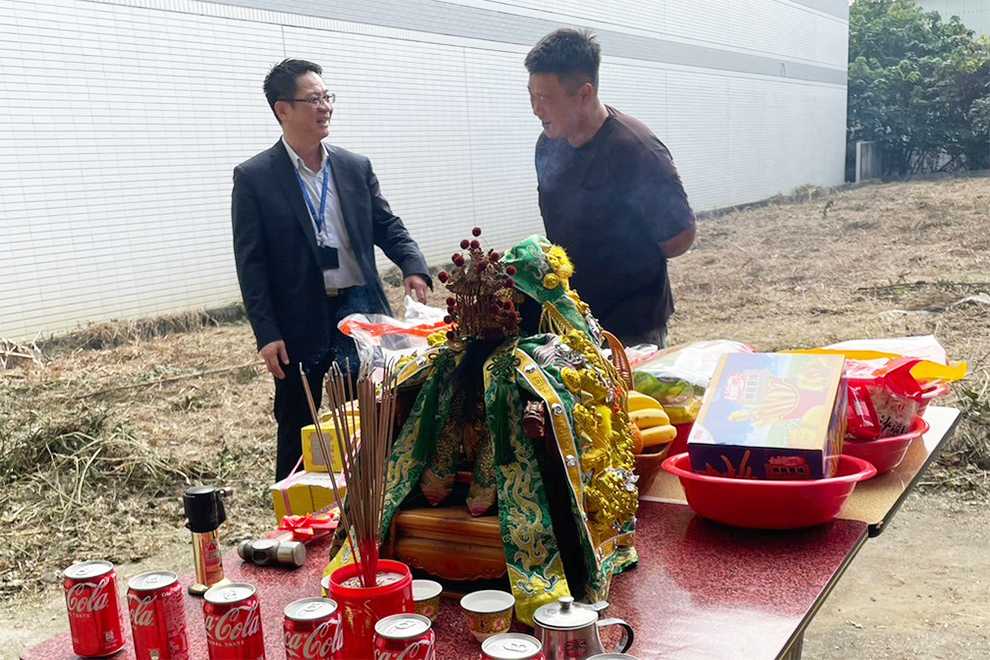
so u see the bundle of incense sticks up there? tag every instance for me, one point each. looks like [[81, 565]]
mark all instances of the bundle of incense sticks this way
[[364, 457]]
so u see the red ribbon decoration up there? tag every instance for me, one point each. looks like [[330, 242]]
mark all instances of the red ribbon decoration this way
[[309, 527]]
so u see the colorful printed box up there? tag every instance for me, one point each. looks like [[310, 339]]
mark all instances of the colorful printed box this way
[[771, 416]]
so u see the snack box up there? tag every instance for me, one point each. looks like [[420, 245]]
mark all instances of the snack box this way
[[771, 416]]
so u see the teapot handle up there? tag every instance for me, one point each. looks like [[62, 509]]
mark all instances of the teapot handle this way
[[627, 637]]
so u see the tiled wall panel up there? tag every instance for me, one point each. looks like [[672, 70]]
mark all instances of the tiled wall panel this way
[[120, 123], [975, 14]]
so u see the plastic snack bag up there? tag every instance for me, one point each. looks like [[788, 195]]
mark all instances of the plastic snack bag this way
[[887, 390], [883, 397]]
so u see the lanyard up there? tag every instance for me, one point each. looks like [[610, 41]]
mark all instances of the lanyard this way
[[318, 218]]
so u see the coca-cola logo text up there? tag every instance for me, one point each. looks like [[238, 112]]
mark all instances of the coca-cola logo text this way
[[318, 643], [411, 652], [87, 597], [142, 614], [232, 628]]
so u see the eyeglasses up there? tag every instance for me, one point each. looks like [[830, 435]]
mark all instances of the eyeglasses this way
[[315, 101]]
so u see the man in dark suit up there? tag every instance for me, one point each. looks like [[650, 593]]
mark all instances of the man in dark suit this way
[[306, 217]]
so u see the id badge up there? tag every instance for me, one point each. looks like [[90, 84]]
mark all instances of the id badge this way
[[327, 258]]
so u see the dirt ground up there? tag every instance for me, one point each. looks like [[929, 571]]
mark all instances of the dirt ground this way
[[101, 432], [917, 591]]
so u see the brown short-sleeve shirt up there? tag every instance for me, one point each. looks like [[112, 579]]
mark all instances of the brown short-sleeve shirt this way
[[611, 203]]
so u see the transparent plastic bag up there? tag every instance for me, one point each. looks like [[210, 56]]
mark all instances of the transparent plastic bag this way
[[694, 362], [381, 338], [677, 377], [923, 347], [417, 312]]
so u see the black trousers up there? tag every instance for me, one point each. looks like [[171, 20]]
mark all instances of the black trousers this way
[[658, 337], [291, 409]]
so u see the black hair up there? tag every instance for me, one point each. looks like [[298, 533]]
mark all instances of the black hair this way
[[573, 55], [280, 83]]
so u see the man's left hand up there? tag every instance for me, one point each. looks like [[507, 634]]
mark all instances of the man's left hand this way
[[416, 287]]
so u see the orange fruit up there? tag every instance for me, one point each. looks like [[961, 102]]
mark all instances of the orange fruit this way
[[637, 439]]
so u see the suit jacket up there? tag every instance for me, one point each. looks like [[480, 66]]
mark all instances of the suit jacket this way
[[276, 253]]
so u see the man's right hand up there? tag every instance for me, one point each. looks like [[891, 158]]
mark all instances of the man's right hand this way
[[275, 355]]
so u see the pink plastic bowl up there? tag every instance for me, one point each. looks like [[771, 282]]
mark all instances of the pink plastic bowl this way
[[763, 504], [886, 453]]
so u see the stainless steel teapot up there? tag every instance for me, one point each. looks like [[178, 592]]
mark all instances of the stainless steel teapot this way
[[569, 630]]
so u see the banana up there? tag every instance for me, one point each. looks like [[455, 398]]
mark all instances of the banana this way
[[639, 401], [658, 435], [649, 418]]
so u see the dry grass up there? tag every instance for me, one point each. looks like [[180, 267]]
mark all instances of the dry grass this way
[[101, 430], [101, 336], [94, 452], [877, 261]]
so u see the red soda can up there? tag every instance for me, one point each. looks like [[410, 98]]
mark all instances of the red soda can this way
[[512, 646], [233, 622], [312, 629], [405, 637], [158, 616], [94, 614]]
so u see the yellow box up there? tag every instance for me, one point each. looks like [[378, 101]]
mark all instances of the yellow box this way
[[305, 492], [314, 456]]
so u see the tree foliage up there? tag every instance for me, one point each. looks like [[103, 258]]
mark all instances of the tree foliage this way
[[920, 86]]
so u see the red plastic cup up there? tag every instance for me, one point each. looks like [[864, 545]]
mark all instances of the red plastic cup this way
[[361, 608], [679, 445]]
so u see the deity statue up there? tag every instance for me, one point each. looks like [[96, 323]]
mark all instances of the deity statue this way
[[520, 394]]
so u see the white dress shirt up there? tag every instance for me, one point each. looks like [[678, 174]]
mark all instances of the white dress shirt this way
[[333, 233]]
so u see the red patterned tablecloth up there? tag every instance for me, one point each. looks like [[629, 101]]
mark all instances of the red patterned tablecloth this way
[[701, 590]]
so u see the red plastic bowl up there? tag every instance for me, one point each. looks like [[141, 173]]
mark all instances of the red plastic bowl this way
[[931, 393], [885, 453], [762, 504]]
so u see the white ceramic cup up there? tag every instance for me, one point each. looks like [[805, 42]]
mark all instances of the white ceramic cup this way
[[489, 612], [426, 596]]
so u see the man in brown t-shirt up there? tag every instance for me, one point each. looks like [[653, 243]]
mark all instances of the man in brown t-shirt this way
[[608, 190]]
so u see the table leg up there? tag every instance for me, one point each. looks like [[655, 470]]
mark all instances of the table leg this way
[[794, 652]]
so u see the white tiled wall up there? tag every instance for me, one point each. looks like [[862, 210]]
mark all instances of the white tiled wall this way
[[120, 125], [117, 146], [776, 27], [975, 14]]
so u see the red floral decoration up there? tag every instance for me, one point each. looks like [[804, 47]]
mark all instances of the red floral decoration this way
[[482, 305]]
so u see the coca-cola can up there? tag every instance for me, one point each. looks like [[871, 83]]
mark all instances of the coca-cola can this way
[[94, 613], [405, 637], [312, 629], [158, 616], [233, 622], [512, 646]]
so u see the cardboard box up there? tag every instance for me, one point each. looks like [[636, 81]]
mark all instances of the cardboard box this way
[[771, 416], [305, 492], [314, 455]]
